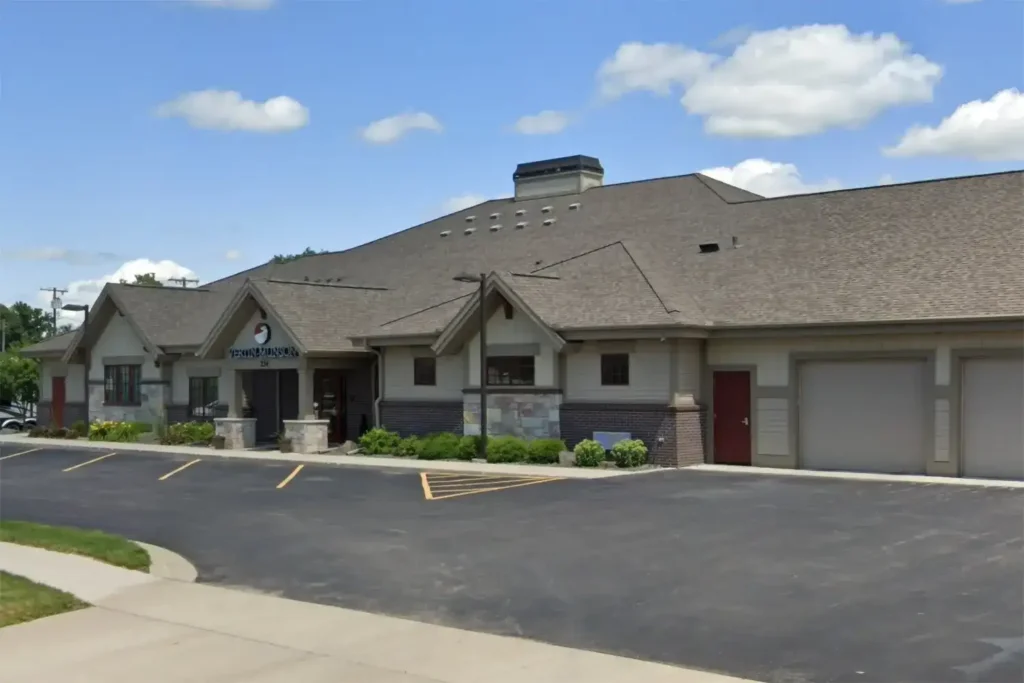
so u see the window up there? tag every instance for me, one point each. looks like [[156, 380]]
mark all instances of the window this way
[[424, 371], [202, 396], [510, 371], [615, 369], [121, 385]]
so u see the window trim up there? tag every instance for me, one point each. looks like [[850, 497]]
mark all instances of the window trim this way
[[122, 385], [511, 365], [613, 374], [417, 368], [204, 382]]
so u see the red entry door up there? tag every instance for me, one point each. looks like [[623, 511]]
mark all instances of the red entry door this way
[[731, 400], [57, 398]]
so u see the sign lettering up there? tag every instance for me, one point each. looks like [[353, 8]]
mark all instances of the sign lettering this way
[[263, 352]]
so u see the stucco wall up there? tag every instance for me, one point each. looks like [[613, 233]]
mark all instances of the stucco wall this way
[[74, 380], [398, 376], [651, 367], [518, 330], [118, 339]]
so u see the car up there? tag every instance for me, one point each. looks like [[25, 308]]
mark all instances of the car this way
[[12, 423]]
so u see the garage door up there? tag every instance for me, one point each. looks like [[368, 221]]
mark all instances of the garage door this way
[[863, 416], [993, 413]]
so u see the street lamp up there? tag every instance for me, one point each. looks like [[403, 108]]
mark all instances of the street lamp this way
[[81, 308], [482, 280]]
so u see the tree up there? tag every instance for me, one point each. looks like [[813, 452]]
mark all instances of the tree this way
[[285, 258], [24, 324], [19, 381], [144, 279]]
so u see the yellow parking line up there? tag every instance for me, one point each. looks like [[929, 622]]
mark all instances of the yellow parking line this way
[[15, 455], [495, 488], [426, 486], [175, 471], [439, 485], [89, 462], [290, 477]]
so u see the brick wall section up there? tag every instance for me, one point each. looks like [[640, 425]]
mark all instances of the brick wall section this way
[[420, 418], [674, 436]]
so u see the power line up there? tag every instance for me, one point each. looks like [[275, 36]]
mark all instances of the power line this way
[[55, 303], [183, 280]]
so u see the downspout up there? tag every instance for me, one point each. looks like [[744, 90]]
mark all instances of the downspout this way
[[379, 366]]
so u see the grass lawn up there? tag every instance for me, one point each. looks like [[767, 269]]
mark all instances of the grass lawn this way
[[95, 544], [21, 600]]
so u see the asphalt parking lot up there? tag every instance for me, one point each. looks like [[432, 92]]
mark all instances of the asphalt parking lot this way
[[770, 578]]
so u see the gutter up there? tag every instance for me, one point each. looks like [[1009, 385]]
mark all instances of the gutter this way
[[379, 366]]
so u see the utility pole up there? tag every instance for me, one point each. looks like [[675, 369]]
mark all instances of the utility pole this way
[[183, 280], [55, 304]]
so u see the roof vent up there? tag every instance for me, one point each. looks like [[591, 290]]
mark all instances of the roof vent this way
[[445, 233], [520, 212], [470, 219], [549, 221], [709, 247], [547, 209], [574, 206], [495, 215], [736, 242], [469, 231], [496, 228], [521, 224]]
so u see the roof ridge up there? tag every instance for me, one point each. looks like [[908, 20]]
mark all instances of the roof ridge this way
[[579, 255], [336, 285], [534, 275], [424, 310], [643, 273]]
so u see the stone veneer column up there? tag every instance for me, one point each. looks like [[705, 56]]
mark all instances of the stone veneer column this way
[[528, 416], [239, 432], [307, 436]]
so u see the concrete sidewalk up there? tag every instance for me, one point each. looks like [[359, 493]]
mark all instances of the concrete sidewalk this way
[[22, 441], [144, 628]]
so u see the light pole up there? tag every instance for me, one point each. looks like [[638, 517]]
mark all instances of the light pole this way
[[80, 308], [482, 280]]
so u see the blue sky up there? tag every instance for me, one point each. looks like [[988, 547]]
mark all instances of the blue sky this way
[[95, 174]]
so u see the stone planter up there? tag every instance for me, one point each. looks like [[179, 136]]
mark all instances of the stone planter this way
[[218, 442], [567, 459]]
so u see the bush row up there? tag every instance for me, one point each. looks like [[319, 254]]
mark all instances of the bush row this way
[[500, 449], [179, 433], [188, 433]]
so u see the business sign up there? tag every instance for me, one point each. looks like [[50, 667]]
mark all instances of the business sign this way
[[261, 335]]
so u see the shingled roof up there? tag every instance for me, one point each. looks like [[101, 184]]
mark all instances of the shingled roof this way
[[630, 255]]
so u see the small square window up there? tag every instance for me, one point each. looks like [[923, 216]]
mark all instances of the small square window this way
[[615, 369], [424, 371]]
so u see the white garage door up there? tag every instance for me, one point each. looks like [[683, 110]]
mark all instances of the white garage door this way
[[864, 416], [993, 419]]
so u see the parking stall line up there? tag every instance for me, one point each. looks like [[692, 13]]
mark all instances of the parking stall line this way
[[472, 492], [15, 455], [291, 476], [89, 462], [179, 469]]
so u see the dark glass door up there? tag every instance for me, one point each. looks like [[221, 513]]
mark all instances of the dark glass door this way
[[330, 400]]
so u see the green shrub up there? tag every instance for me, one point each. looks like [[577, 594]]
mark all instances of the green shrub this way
[[629, 453], [186, 433], [408, 447], [80, 429], [589, 453], [506, 449], [544, 451], [117, 431], [59, 433], [439, 447], [379, 441], [469, 448], [38, 432]]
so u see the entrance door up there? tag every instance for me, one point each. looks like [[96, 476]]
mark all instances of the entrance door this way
[[264, 404], [731, 399], [57, 396], [329, 395]]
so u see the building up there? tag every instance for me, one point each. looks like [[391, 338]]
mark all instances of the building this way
[[877, 329]]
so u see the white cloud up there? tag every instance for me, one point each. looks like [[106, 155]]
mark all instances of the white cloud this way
[[781, 83], [226, 110], [237, 4], [463, 201], [886, 179], [72, 257], [86, 291], [546, 122], [388, 130], [232, 254], [733, 37], [657, 68], [990, 130], [768, 178]]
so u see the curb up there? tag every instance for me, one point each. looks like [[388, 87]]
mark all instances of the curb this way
[[861, 476], [334, 460], [169, 565]]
